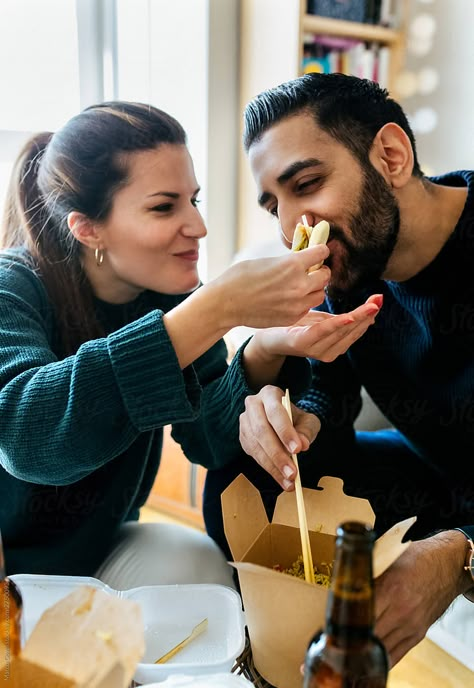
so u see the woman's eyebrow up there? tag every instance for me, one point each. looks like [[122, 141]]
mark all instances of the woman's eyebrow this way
[[168, 194], [172, 194]]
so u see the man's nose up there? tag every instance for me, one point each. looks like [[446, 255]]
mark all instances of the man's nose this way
[[288, 224]]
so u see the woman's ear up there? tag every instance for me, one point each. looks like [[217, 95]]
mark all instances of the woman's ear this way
[[392, 155], [83, 229]]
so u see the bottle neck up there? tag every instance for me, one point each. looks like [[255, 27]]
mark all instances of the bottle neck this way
[[350, 608], [2, 561]]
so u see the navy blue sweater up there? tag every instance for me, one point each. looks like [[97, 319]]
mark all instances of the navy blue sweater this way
[[417, 360]]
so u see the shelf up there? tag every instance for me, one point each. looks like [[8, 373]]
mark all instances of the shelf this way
[[349, 29]]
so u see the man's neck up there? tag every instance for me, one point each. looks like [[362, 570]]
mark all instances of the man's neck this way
[[429, 214]]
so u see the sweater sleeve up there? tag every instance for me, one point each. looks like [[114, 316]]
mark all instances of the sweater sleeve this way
[[334, 394], [213, 439], [62, 419]]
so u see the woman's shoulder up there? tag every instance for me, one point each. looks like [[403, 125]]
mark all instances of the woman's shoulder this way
[[19, 277]]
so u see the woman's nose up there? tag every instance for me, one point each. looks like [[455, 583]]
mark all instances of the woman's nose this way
[[195, 227]]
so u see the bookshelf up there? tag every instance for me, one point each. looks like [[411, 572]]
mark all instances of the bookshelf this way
[[388, 38], [272, 36]]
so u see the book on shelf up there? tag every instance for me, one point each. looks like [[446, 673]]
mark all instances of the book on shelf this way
[[378, 12], [325, 54]]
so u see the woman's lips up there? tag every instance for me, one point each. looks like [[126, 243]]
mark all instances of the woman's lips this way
[[192, 256]]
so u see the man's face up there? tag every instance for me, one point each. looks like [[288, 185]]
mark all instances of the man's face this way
[[301, 170]]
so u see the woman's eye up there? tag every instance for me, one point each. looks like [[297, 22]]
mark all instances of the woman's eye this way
[[195, 201], [162, 208], [273, 211]]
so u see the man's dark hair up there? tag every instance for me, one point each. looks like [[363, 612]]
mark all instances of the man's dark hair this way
[[349, 109]]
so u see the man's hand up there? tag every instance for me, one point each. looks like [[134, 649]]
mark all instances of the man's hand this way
[[417, 589], [267, 434]]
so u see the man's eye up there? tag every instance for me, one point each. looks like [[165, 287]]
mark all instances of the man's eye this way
[[308, 184], [195, 201]]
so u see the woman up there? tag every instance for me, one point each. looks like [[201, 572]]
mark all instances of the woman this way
[[104, 339]]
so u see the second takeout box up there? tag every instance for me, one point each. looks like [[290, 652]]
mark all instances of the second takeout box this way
[[283, 612], [88, 639]]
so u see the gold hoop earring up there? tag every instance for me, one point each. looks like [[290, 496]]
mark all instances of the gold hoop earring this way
[[99, 256]]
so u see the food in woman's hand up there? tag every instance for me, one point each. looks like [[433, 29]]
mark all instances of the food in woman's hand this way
[[297, 569], [306, 236]]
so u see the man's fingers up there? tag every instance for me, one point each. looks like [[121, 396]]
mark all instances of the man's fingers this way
[[397, 649], [267, 434], [252, 447]]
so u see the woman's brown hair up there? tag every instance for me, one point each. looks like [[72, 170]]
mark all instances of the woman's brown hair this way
[[80, 168]]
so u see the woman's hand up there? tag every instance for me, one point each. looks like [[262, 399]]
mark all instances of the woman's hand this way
[[268, 435], [257, 293], [319, 335], [270, 292]]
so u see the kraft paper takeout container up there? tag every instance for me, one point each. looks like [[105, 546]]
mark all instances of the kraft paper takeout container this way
[[88, 639], [168, 613], [283, 612]]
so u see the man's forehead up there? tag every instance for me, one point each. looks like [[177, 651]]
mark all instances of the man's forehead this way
[[287, 146], [296, 137]]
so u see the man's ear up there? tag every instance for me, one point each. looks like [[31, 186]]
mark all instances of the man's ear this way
[[392, 155], [83, 229]]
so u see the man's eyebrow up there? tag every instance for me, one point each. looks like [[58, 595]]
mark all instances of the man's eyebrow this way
[[263, 198], [288, 173], [296, 167]]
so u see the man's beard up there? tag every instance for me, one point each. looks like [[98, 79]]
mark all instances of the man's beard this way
[[374, 233]]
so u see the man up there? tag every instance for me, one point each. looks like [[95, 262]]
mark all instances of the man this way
[[338, 148]]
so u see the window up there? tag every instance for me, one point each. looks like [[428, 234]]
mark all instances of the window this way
[[48, 70]]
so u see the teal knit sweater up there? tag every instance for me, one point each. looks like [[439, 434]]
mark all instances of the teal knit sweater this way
[[81, 436]]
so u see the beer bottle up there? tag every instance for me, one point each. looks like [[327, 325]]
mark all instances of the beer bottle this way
[[346, 653], [11, 609]]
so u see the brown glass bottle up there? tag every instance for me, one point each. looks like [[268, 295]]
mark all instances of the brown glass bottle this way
[[11, 611], [346, 653]]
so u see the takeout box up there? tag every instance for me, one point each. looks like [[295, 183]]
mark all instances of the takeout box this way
[[283, 612], [86, 640], [169, 612]]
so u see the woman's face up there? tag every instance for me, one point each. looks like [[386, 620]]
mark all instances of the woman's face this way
[[151, 236]]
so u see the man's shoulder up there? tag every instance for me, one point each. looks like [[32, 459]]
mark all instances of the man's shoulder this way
[[454, 178]]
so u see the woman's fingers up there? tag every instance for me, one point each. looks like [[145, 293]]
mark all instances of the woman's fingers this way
[[345, 342], [327, 339], [271, 292]]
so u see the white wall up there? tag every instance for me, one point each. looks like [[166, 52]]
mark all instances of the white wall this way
[[269, 56], [451, 144], [182, 56]]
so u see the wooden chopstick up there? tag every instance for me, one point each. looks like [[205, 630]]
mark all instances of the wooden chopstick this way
[[197, 630], [305, 545]]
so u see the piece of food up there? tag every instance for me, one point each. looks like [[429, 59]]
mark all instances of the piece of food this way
[[297, 569], [306, 236]]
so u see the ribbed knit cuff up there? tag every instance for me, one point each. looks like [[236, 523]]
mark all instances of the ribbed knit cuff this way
[[295, 375], [154, 389]]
